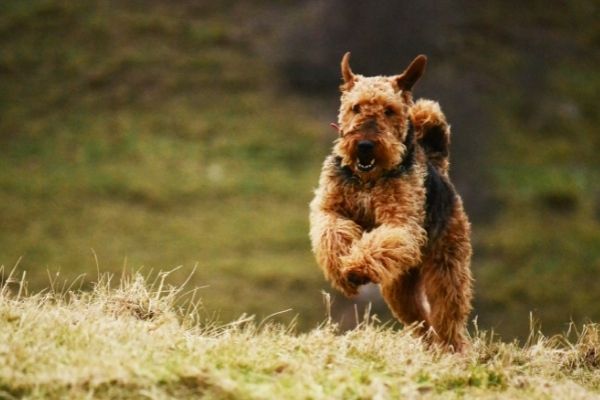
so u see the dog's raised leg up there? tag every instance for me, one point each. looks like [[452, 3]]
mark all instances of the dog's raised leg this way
[[393, 247], [383, 253], [332, 237]]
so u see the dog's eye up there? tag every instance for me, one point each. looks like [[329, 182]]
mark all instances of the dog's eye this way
[[389, 112], [356, 108]]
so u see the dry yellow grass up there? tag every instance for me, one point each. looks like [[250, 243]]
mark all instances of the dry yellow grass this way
[[133, 340]]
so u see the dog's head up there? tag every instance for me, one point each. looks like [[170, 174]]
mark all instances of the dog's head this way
[[373, 117]]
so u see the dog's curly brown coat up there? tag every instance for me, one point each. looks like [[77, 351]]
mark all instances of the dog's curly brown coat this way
[[397, 222]]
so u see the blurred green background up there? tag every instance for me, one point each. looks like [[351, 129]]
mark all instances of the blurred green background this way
[[167, 133]]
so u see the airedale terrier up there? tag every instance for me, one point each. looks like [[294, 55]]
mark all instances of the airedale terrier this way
[[385, 210]]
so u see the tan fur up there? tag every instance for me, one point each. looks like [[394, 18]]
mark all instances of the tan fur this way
[[427, 114], [372, 228]]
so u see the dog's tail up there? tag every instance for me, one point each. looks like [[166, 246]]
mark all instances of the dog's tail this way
[[432, 132]]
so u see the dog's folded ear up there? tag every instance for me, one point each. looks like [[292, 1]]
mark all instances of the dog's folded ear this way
[[347, 73], [410, 76]]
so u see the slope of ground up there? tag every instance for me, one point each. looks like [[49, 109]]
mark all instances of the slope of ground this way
[[152, 135], [132, 341], [155, 134]]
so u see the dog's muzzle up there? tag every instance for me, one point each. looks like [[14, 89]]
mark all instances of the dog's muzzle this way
[[365, 155]]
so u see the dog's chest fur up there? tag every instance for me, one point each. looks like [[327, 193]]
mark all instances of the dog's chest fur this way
[[362, 210], [365, 205], [423, 197]]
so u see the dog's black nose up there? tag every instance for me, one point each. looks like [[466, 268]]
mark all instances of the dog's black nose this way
[[365, 146]]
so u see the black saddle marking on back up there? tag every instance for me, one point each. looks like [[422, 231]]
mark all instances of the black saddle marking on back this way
[[439, 202], [435, 142]]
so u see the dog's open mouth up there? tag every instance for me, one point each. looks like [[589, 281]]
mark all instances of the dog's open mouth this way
[[365, 165], [365, 155]]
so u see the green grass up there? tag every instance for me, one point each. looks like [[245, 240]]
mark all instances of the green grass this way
[[161, 200], [540, 252], [145, 141], [159, 135], [136, 340]]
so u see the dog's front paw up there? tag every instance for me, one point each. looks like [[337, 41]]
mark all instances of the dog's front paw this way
[[358, 270], [357, 278], [350, 282]]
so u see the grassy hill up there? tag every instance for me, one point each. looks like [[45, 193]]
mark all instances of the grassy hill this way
[[159, 134], [133, 341], [150, 135]]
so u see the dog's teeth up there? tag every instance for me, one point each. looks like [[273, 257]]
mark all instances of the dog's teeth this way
[[370, 164], [366, 166]]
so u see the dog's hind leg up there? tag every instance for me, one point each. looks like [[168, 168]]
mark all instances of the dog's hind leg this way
[[406, 298], [447, 281]]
